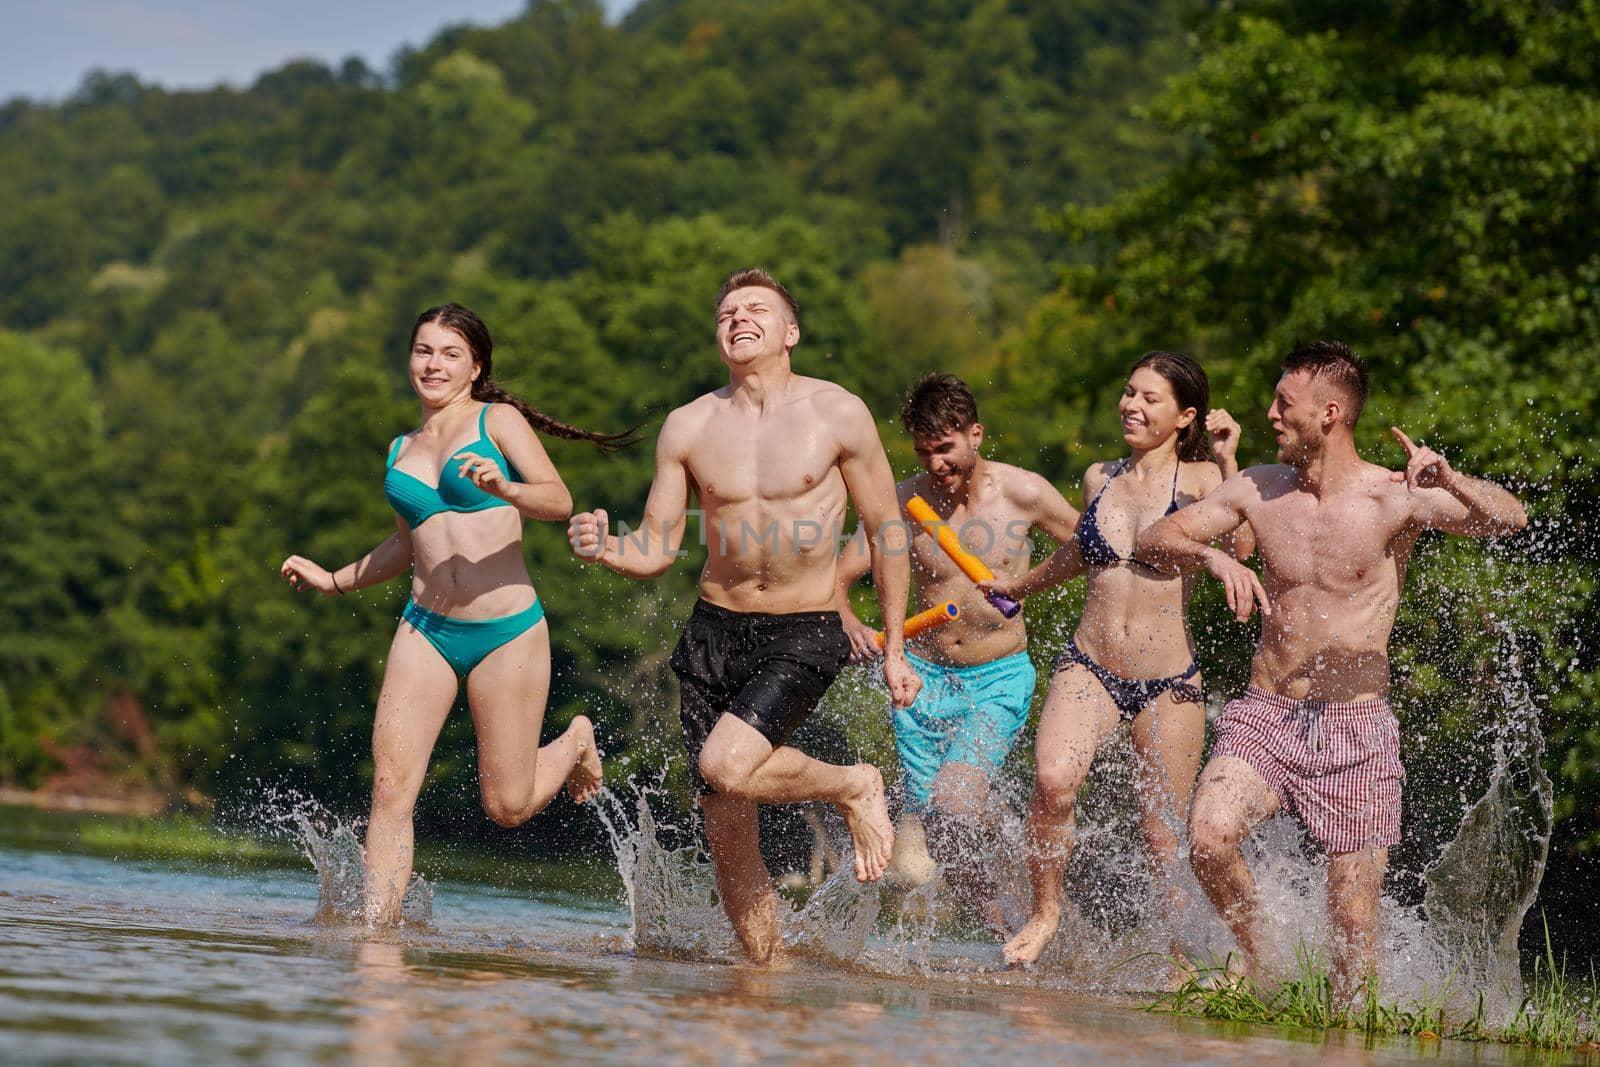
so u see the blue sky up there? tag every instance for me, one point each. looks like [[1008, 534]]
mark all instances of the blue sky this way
[[192, 43]]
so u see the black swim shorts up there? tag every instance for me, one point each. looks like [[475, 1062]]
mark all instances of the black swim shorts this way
[[766, 670]]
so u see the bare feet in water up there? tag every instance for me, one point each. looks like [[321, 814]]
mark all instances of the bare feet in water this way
[[584, 781], [994, 917], [866, 816], [1025, 949]]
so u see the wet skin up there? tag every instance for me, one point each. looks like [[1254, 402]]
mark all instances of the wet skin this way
[[466, 566], [1334, 533], [772, 460], [993, 507], [1134, 624]]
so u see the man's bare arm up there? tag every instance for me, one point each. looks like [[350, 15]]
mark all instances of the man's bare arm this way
[[870, 482], [854, 563], [650, 550], [1456, 503], [1047, 509], [1182, 543], [1240, 542]]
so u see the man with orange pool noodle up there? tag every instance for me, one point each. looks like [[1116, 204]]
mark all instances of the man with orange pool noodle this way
[[977, 678]]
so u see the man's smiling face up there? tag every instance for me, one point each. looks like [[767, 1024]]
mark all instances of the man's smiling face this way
[[753, 323]]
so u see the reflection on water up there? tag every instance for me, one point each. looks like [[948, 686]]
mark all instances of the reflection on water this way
[[106, 961]]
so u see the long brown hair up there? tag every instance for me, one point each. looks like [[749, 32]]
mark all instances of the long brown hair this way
[[1192, 389], [465, 321]]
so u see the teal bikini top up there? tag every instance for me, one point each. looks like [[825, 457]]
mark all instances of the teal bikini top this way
[[416, 501]]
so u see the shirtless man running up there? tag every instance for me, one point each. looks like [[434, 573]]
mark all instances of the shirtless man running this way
[[773, 458], [1314, 731], [977, 678]]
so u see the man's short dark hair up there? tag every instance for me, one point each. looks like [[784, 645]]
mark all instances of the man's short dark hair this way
[[756, 278], [1336, 363], [938, 404]]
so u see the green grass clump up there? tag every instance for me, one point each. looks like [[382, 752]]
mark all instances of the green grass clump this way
[[1557, 1011], [183, 837]]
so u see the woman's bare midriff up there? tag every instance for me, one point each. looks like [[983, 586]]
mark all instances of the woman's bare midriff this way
[[469, 565], [1133, 623]]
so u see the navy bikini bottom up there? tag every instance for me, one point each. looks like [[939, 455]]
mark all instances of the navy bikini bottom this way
[[1133, 695]]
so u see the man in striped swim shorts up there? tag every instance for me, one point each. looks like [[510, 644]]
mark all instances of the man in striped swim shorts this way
[[1314, 732]]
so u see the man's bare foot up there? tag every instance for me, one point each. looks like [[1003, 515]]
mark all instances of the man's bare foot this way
[[866, 816], [584, 781], [910, 866], [1031, 941]]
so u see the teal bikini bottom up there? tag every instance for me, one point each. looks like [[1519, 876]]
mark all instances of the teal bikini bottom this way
[[464, 642]]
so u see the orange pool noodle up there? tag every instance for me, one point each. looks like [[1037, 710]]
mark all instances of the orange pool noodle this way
[[932, 619], [970, 565]]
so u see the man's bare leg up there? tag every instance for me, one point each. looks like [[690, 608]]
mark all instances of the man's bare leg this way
[[1077, 715], [738, 761], [1355, 880], [1230, 799], [959, 826], [911, 866], [743, 881]]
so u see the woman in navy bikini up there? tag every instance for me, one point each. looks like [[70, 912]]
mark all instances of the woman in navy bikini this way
[[1132, 658], [461, 484]]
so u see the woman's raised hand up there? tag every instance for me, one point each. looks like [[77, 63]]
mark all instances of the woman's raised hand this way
[[1224, 429], [303, 573], [484, 473]]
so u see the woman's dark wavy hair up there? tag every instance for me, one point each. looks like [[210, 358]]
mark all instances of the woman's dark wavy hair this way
[[1193, 390], [472, 329]]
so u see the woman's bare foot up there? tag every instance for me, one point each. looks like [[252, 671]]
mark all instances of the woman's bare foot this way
[[994, 917], [866, 816], [584, 781], [1181, 970], [1025, 949]]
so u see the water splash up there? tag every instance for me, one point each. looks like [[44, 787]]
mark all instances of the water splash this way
[[837, 919], [333, 847], [1485, 880], [338, 858], [1452, 938], [672, 895], [671, 892]]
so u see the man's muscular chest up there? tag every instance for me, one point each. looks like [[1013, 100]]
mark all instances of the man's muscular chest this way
[[741, 457], [1344, 543]]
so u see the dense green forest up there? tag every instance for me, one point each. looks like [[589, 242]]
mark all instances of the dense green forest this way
[[204, 300]]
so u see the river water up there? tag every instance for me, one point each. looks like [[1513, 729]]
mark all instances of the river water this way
[[116, 960]]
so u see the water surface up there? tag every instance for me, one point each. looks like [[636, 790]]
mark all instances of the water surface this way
[[116, 960]]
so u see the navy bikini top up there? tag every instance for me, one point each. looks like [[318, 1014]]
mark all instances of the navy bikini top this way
[[416, 501], [1092, 544]]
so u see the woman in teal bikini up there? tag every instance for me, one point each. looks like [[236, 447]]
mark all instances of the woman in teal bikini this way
[[461, 484]]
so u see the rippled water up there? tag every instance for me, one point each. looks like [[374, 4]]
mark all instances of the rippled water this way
[[132, 961]]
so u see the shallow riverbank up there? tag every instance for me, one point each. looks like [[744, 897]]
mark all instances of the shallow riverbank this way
[[113, 951]]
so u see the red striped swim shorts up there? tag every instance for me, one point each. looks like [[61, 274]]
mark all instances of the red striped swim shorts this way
[[1334, 764]]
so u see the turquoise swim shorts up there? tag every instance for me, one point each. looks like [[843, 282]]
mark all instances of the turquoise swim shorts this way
[[963, 715]]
